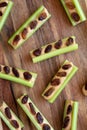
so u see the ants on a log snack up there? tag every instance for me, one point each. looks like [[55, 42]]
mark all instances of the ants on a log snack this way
[[33, 113], [8, 116], [70, 115], [29, 27], [59, 81], [74, 11], [5, 8], [53, 49], [84, 89], [17, 75]]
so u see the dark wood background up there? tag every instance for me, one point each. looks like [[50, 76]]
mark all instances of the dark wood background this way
[[57, 27]]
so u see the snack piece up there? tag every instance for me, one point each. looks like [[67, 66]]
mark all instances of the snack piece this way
[[33, 113], [5, 8], [70, 115], [29, 27], [59, 81], [18, 75], [84, 89], [74, 11], [11, 120], [53, 49]]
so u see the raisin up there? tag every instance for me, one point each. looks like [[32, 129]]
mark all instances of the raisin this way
[[61, 74], [69, 109], [42, 16], [39, 118], [16, 39], [32, 108], [58, 44], [33, 24], [37, 52], [14, 123], [55, 82], [46, 127], [66, 66], [48, 48], [0, 68], [24, 99], [66, 122], [15, 72], [24, 33], [3, 4], [49, 92], [75, 16], [8, 113], [70, 5], [27, 75], [6, 69], [69, 41], [1, 13], [86, 86]]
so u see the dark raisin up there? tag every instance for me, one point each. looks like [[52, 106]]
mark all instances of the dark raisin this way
[[42, 16], [24, 33], [24, 99], [14, 123], [39, 118], [66, 67], [3, 4], [75, 16], [8, 113], [0, 68], [32, 109], [6, 69], [27, 75], [61, 74], [15, 72], [16, 39], [49, 92], [70, 5], [66, 122], [58, 44], [1, 13], [33, 24], [48, 48], [37, 52], [69, 109], [86, 86], [46, 127], [69, 41], [55, 82]]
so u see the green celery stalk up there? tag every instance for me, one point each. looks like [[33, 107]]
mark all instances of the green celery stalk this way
[[32, 117], [63, 85], [26, 24], [5, 15], [19, 80], [55, 52], [74, 114], [7, 122], [78, 9]]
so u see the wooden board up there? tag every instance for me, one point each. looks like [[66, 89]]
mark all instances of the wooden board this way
[[57, 27]]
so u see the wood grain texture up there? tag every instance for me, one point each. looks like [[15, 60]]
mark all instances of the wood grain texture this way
[[57, 27]]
